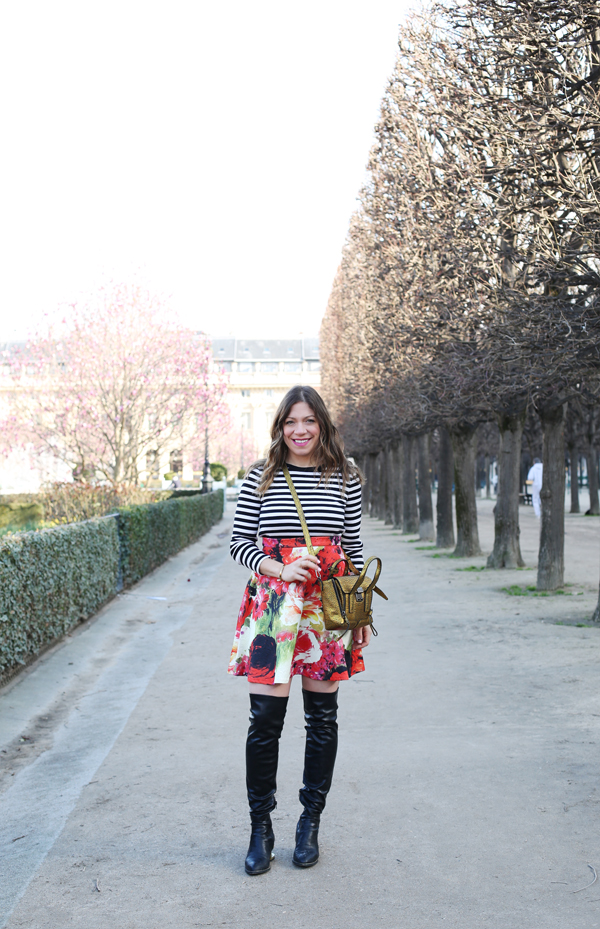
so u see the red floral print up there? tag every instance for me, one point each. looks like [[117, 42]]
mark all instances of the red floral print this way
[[280, 630]]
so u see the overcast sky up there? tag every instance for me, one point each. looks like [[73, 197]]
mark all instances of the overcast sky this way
[[217, 146]]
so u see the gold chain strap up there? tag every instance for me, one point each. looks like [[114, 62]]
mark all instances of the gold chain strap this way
[[305, 531]]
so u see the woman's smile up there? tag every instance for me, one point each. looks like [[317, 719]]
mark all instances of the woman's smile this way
[[301, 433]]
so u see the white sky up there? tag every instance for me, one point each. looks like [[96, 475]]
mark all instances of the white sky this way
[[218, 146]]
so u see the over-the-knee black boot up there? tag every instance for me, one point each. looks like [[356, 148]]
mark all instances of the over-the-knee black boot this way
[[262, 751], [320, 713]]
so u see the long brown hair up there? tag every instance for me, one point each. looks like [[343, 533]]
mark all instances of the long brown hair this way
[[330, 457]]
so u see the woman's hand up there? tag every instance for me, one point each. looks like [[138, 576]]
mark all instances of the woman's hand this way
[[362, 636], [299, 570]]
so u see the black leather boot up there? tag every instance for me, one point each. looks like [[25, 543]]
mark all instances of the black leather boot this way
[[320, 713], [262, 751]]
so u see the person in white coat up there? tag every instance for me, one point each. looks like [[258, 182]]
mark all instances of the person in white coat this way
[[535, 475]]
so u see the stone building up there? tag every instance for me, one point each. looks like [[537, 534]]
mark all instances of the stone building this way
[[260, 372]]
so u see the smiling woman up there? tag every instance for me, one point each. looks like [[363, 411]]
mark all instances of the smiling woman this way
[[301, 434], [280, 630]]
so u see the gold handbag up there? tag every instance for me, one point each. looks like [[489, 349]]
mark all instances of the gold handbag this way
[[346, 599]]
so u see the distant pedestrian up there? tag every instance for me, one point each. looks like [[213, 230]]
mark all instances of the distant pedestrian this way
[[536, 477], [280, 630]]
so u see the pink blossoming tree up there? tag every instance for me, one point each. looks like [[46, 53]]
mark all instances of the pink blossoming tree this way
[[117, 381]]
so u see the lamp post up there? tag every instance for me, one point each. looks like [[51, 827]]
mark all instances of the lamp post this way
[[207, 480]]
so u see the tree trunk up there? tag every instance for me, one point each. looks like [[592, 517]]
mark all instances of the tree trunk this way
[[467, 534], [596, 616], [592, 470], [389, 486], [379, 481], [410, 520], [574, 473], [478, 472], [361, 462], [592, 464], [383, 488], [551, 561], [374, 484], [370, 462], [397, 472], [426, 528], [366, 486], [381, 499], [445, 527], [507, 548]]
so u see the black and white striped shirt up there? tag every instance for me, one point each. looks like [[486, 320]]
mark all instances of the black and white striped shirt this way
[[327, 511]]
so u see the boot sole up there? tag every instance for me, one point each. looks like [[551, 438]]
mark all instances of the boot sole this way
[[305, 864]]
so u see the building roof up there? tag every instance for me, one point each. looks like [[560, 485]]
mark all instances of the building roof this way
[[266, 349]]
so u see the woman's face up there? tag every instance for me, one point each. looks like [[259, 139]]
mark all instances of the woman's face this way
[[301, 434]]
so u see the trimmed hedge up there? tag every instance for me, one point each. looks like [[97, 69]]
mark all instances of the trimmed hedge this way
[[19, 516], [151, 533], [52, 579]]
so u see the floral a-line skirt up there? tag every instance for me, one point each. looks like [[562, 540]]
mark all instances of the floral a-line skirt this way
[[280, 629]]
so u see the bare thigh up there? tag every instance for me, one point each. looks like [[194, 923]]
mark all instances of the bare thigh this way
[[283, 690]]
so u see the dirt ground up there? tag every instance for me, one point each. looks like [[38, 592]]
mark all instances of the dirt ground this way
[[466, 789]]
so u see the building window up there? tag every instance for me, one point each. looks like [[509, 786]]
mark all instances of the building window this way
[[245, 393], [269, 417], [224, 366], [292, 366], [269, 366], [314, 365], [268, 393], [246, 367], [246, 420]]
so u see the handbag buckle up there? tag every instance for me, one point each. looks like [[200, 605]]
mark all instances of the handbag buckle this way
[[360, 595]]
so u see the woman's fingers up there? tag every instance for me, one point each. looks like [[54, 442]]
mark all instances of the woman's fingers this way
[[362, 636], [306, 563], [300, 569], [299, 574]]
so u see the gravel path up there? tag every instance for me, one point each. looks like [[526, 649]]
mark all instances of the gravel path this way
[[466, 792]]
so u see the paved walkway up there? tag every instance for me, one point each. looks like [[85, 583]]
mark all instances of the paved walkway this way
[[466, 792]]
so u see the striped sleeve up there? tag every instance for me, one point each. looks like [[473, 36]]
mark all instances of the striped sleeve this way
[[243, 545], [351, 540]]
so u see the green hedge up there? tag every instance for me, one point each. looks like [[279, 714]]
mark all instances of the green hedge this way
[[53, 579], [151, 533], [19, 516]]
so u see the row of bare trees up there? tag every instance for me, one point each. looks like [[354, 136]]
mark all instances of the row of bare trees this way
[[468, 290]]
